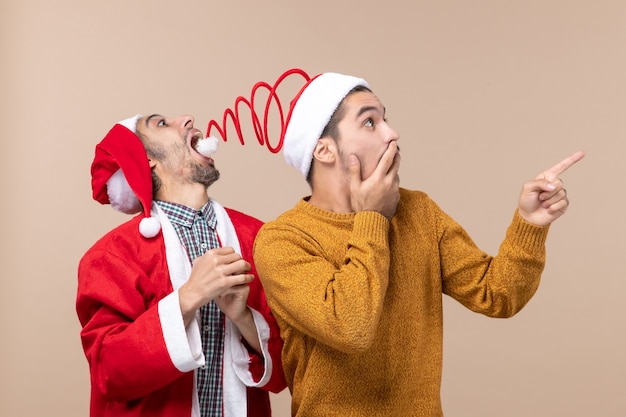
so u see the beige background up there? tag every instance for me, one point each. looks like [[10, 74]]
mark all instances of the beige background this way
[[485, 94]]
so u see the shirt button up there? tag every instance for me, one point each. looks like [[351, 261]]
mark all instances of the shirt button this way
[[203, 245], [203, 367], [207, 328]]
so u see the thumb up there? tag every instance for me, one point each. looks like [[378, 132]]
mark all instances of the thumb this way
[[355, 168], [355, 172], [539, 185]]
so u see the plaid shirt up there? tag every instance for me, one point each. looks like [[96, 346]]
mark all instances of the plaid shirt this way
[[196, 231]]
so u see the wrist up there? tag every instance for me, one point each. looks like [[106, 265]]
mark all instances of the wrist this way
[[244, 317], [188, 306]]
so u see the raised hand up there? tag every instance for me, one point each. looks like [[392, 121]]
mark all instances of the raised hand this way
[[544, 199], [234, 302], [220, 272], [379, 192]]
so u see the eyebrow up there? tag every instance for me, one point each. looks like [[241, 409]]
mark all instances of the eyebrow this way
[[152, 116], [365, 109]]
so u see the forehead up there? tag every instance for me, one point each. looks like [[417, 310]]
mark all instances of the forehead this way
[[361, 102]]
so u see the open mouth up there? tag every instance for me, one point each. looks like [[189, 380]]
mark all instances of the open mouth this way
[[195, 138], [204, 146]]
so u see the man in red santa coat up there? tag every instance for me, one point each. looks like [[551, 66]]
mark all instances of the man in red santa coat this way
[[174, 319]]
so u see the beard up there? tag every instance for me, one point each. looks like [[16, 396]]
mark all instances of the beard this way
[[205, 175], [178, 156]]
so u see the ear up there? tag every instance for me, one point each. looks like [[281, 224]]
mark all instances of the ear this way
[[325, 150], [152, 163]]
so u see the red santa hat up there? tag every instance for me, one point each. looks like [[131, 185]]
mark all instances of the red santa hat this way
[[309, 112], [121, 174]]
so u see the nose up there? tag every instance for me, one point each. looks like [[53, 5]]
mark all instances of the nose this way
[[185, 121], [391, 135]]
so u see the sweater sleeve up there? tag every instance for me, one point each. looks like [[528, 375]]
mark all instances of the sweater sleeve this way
[[331, 290], [497, 286]]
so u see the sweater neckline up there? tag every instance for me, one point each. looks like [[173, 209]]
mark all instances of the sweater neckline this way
[[304, 205]]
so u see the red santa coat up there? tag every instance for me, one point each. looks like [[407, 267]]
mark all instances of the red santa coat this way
[[141, 357]]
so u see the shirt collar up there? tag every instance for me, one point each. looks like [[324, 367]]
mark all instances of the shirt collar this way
[[185, 216]]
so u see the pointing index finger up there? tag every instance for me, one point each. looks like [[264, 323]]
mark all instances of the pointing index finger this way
[[562, 166]]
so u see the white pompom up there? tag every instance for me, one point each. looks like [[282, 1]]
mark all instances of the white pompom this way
[[149, 226], [207, 146]]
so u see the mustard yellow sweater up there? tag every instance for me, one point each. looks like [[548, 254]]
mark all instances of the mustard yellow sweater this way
[[359, 300]]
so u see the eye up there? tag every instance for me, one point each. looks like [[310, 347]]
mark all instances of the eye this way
[[369, 122], [161, 123]]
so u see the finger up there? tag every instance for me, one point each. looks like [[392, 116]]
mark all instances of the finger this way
[[238, 267], [242, 289], [220, 251], [388, 159], [549, 188], [540, 185], [559, 206], [562, 166], [222, 255], [227, 283], [239, 280], [396, 163], [548, 199]]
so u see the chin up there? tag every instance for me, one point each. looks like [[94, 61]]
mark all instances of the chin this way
[[206, 175]]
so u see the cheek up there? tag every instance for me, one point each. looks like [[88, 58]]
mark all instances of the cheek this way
[[370, 160], [368, 155], [368, 165]]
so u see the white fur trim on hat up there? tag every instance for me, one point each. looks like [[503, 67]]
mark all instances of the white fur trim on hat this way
[[131, 123], [121, 196], [311, 113]]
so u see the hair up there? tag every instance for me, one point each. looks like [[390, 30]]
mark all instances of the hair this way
[[332, 127], [154, 152]]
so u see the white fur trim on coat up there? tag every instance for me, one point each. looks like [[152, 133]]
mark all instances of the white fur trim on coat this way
[[185, 345]]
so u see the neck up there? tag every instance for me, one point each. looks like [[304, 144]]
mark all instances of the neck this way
[[190, 195], [330, 193]]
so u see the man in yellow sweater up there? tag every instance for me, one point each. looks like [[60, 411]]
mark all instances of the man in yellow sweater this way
[[355, 272]]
